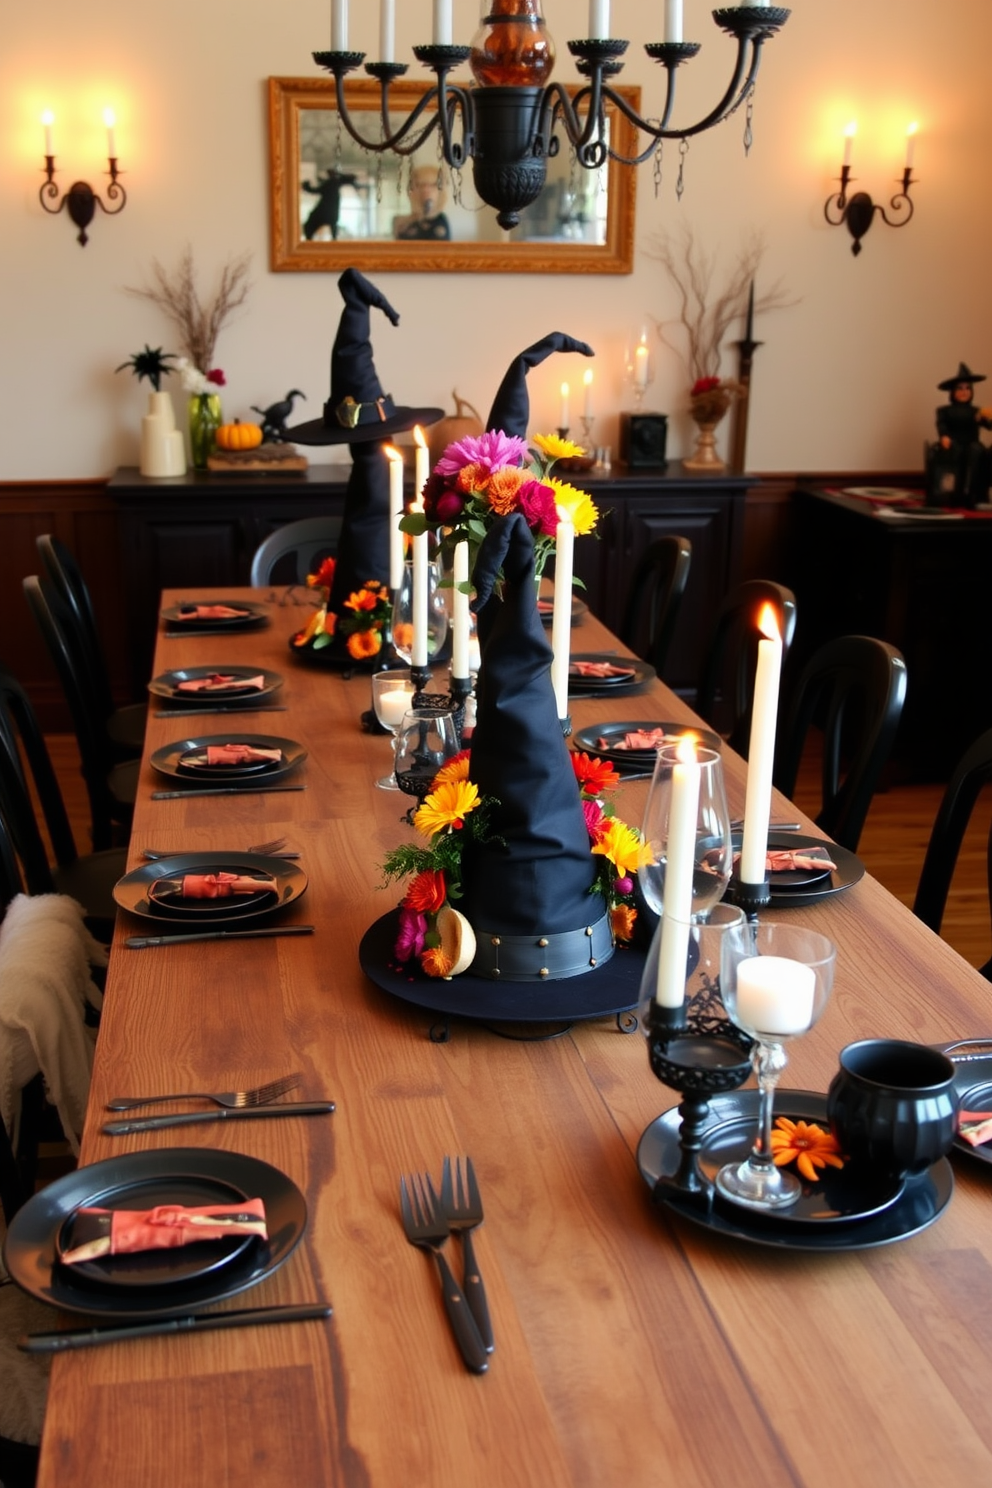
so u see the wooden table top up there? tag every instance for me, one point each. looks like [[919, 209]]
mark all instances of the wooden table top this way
[[633, 1347]]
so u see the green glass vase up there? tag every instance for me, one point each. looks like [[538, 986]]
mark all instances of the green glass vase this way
[[204, 421]]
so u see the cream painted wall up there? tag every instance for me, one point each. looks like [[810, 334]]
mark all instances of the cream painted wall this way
[[845, 379]]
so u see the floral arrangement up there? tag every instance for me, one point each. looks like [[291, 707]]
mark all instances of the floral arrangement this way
[[485, 476], [197, 383], [805, 1144], [198, 322], [429, 929], [152, 363], [362, 623], [710, 397]]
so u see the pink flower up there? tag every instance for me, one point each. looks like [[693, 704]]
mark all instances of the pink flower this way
[[448, 506], [490, 450], [217, 377], [410, 934], [537, 502], [595, 819], [623, 886]]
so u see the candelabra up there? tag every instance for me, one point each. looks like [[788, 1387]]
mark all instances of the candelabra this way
[[507, 123], [858, 211], [81, 200]]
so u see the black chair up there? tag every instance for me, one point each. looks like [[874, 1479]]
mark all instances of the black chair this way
[[111, 786], [726, 686], [654, 599], [856, 687], [90, 878], [973, 772], [300, 548], [124, 727]]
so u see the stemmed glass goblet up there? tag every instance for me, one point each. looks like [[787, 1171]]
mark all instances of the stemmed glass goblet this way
[[392, 694], [437, 615], [427, 737], [714, 854], [775, 993]]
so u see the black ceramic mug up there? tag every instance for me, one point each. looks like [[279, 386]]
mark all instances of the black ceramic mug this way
[[892, 1105]]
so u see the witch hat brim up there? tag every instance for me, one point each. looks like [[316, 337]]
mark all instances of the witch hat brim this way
[[358, 410], [964, 377], [511, 406]]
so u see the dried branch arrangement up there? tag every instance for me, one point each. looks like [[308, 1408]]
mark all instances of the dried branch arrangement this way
[[706, 312], [197, 322]]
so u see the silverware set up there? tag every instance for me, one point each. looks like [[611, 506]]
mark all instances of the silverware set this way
[[429, 1219], [254, 1101]]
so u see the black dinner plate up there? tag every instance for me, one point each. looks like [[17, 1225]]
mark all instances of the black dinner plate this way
[[132, 891], [171, 758], [166, 685], [793, 890], [30, 1255], [635, 675], [598, 739], [919, 1203], [252, 615], [155, 1268], [973, 1086]]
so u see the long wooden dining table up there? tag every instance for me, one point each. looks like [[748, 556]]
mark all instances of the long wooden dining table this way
[[633, 1346]]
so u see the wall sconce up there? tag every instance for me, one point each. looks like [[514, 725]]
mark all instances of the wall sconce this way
[[858, 211], [81, 200]]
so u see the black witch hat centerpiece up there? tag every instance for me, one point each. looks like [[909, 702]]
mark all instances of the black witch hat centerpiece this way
[[357, 413]]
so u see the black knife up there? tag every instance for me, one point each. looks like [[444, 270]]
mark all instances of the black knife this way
[[222, 708], [239, 1113], [223, 790], [244, 1317], [139, 942]]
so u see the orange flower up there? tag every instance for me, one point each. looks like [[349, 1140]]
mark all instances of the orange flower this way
[[594, 775], [427, 892], [435, 962], [805, 1144], [364, 643], [315, 626], [403, 635], [504, 489], [324, 576], [456, 768], [471, 478], [365, 599], [622, 918]]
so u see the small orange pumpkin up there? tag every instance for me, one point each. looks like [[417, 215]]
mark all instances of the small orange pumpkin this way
[[239, 436]]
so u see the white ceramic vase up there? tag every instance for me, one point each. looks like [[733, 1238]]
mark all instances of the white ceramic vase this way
[[163, 450]]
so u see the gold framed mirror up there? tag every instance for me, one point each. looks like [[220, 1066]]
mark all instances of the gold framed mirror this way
[[335, 205]]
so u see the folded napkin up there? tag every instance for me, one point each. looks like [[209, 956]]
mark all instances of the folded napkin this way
[[237, 754], [975, 1127], [166, 1227], [640, 739], [220, 885], [778, 860], [211, 612], [219, 682], [598, 669]]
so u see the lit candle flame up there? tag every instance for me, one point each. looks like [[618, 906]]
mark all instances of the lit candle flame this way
[[768, 622], [418, 436], [685, 750], [392, 453]]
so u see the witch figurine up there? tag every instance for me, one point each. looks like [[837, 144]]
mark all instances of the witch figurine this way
[[959, 465], [357, 413]]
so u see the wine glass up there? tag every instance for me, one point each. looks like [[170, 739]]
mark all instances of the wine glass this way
[[426, 738], [775, 993], [712, 849], [437, 614], [392, 695], [704, 958]]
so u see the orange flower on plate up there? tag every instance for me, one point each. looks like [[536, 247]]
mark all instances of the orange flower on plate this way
[[364, 643], [805, 1144]]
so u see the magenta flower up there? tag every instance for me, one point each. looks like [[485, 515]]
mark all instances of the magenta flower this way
[[537, 502], [595, 819], [217, 377], [449, 506], [490, 450], [410, 935], [623, 886]]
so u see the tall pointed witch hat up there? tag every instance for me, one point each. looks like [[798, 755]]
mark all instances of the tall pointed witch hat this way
[[964, 377], [511, 406]]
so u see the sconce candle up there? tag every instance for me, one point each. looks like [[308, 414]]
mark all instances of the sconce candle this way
[[561, 619], [599, 20], [109, 118], [910, 145], [849, 134], [81, 201], [673, 20], [761, 750], [48, 119], [680, 864], [395, 513]]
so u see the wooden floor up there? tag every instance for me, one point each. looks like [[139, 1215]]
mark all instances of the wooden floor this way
[[892, 846]]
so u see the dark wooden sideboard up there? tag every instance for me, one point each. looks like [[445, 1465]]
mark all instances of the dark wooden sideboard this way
[[201, 530]]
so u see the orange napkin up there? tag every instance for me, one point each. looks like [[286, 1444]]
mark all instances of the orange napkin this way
[[787, 860], [223, 885], [975, 1127], [239, 754], [219, 682], [166, 1227], [210, 612]]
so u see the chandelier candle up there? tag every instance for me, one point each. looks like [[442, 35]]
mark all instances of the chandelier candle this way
[[561, 619], [339, 25], [395, 514], [680, 864], [775, 995], [387, 31], [761, 750], [673, 20], [460, 621], [442, 22], [599, 20]]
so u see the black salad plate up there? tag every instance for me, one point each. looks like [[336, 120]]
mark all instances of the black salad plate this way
[[30, 1249], [870, 1220], [973, 1085], [154, 1268], [134, 892], [182, 617], [179, 759], [166, 685], [633, 675], [603, 739], [792, 890]]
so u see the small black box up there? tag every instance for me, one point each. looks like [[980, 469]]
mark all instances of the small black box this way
[[643, 437]]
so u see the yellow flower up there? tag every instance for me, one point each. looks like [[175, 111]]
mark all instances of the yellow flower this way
[[314, 627], [455, 768], [446, 806], [623, 846], [805, 1144], [581, 509], [556, 448]]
